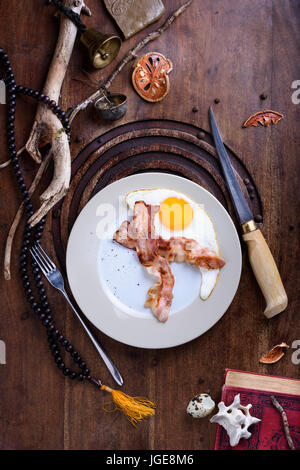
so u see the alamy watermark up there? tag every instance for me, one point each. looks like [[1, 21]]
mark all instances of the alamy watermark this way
[[296, 95], [173, 215], [2, 92], [2, 352], [296, 354]]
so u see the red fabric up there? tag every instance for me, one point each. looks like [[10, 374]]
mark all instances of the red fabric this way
[[269, 433]]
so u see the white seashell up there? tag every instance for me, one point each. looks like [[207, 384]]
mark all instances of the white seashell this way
[[200, 406], [235, 419]]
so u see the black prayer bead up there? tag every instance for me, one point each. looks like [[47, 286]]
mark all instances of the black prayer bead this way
[[41, 309]]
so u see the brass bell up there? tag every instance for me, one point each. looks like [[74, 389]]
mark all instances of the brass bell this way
[[102, 48]]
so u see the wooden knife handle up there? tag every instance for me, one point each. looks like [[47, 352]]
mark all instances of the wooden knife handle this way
[[266, 273]]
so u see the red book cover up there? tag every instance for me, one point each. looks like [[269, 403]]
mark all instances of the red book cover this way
[[256, 389]]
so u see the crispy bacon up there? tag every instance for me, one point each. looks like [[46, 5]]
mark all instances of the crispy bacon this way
[[181, 249], [121, 236], [156, 253], [159, 297], [178, 249]]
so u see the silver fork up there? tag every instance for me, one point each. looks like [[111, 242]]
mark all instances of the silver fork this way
[[53, 275]]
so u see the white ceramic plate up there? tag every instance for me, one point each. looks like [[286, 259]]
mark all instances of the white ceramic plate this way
[[110, 285]]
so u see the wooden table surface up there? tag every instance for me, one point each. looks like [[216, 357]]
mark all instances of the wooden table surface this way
[[222, 49]]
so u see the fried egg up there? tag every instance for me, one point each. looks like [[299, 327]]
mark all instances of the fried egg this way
[[180, 216]]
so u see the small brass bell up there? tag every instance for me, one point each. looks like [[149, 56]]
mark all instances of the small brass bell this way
[[102, 48]]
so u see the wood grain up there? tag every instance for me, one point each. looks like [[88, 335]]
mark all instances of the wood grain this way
[[224, 49]]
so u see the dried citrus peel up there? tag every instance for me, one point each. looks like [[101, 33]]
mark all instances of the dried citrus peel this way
[[275, 354], [265, 118], [150, 76]]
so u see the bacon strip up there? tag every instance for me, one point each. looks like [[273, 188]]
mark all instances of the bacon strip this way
[[178, 249], [187, 250], [121, 236], [156, 253], [138, 231]]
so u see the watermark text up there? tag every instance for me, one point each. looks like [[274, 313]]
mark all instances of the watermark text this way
[[296, 94], [296, 354], [2, 352], [2, 92]]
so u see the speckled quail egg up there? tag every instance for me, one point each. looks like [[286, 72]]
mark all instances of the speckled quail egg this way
[[200, 406]]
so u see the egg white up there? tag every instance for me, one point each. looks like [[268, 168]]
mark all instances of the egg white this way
[[200, 229]]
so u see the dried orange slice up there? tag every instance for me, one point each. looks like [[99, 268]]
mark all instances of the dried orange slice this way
[[275, 354], [150, 76], [264, 118]]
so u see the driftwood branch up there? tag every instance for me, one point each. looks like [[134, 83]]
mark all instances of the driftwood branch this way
[[285, 422], [85, 11], [47, 126], [7, 256], [131, 55], [62, 159]]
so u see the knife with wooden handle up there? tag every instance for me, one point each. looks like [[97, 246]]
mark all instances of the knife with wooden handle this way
[[260, 256]]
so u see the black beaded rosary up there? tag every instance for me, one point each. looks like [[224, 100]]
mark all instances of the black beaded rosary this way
[[136, 408], [31, 234]]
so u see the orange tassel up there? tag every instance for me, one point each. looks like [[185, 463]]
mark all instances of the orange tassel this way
[[135, 408]]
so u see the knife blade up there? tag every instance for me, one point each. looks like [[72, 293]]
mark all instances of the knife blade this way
[[260, 256], [238, 199]]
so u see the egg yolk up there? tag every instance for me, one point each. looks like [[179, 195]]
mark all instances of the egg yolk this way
[[175, 213]]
